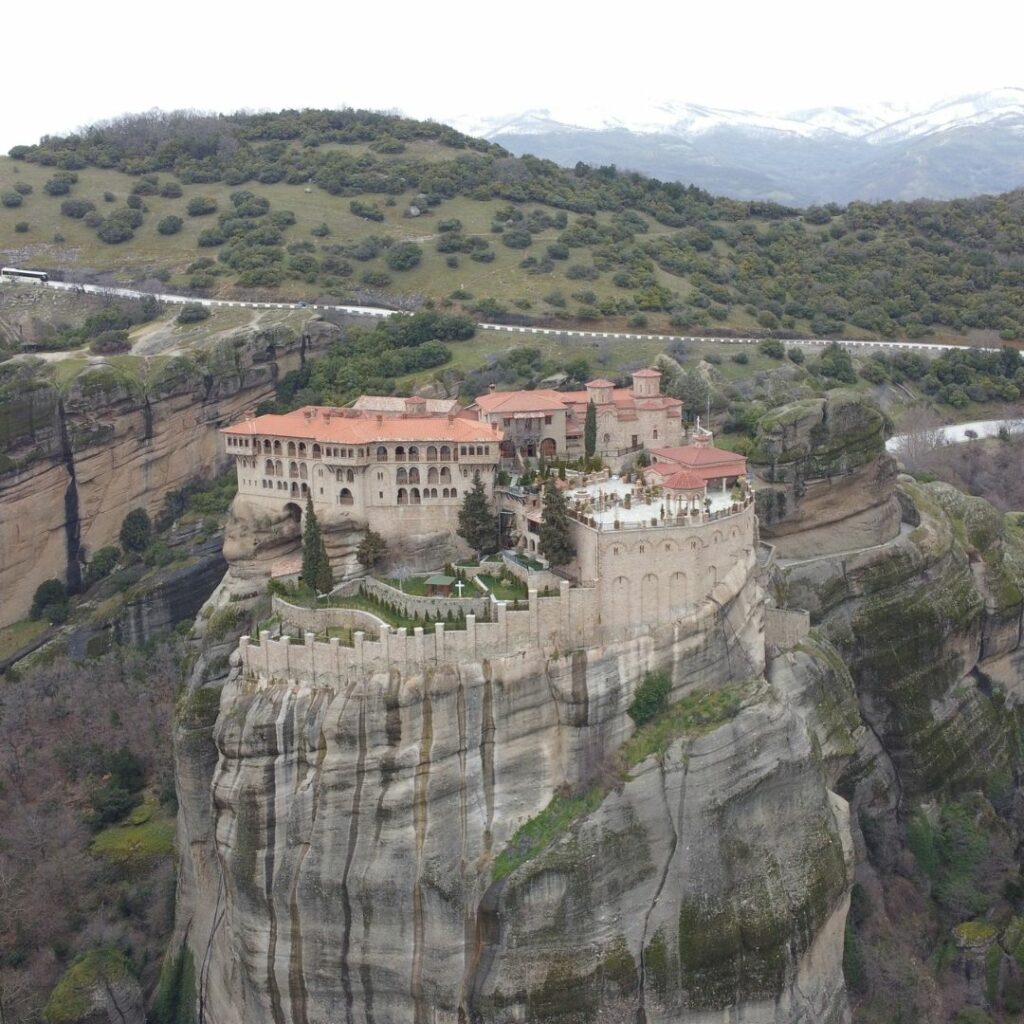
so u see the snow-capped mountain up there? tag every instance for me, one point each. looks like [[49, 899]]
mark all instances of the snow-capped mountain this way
[[962, 146]]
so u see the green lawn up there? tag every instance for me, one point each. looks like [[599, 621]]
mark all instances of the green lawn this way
[[147, 833], [504, 590], [20, 634]]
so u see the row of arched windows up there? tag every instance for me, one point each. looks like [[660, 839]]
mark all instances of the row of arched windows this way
[[412, 476], [296, 470], [413, 495]]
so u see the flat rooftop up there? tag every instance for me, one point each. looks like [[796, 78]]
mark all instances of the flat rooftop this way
[[607, 497]]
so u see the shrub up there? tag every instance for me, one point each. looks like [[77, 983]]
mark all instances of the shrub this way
[[517, 238], [147, 186], [110, 342], [773, 348], [23, 188], [376, 279], [651, 697], [320, 231], [158, 554], [109, 197], [282, 219], [795, 355], [60, 184], [365, 210], [134, 202], [199, 206], [115, 229], [50, 602], [101, 565], [76, 208], [136, 531], [93, 220], [170, 225], [211, 237], [21, 227], [403, 256], [193, 312], [740, 357], [11, 199], [170, 190]]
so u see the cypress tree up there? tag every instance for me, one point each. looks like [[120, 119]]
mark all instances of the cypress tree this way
[[478, 526], [590, 430], [316, 568], [555, 542]]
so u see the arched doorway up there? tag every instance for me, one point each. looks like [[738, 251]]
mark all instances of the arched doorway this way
[[294, 512]]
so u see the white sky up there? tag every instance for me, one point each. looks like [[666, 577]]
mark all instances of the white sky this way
[[448, 58]]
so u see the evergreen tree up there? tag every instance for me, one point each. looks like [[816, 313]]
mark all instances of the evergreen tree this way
[[372, 549], [478, 525], [555, 543], [316, 569], [590, 430]]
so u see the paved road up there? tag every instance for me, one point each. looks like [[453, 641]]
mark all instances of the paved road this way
[[377, 312]]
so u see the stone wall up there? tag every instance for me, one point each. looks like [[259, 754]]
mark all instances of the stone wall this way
[[785, 627]]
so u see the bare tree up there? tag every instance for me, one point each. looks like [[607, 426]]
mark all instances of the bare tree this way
[[921, 435]]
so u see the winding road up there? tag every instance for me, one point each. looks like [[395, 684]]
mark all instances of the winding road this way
[[378, 312]]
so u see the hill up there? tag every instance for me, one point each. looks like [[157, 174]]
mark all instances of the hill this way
[[374, 208]]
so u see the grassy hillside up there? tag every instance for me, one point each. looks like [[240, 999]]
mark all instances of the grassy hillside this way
[[366, 207]]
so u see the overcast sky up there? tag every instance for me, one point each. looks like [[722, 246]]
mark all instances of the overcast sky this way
[[448, 59]]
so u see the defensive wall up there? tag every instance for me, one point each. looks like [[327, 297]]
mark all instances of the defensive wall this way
[[653, 588]]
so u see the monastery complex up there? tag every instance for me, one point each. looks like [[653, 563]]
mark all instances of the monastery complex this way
[[669, 518]]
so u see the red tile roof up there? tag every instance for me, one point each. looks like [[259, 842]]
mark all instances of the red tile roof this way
[[647, 372], [600, 382], [332, 426], [691, 456], [541, 400], [676, 479]]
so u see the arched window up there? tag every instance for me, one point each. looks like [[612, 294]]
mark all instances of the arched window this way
[[305, 490], [278, 468], [293, 470], [400, 453], [269, 467], [446, 475], [291, 447], [350, 476], [277, 447], [607, 438], [402, 476], [433, 492], [414, 453], [444, 493], [345, 497], [446, 452], [302, 449], [302, 471], [317, 451], [403, 497], [655, 434], [295, 487], [432, 454], [431, 474], [414, 475], [414, 496], [382, 454], [266, 445]]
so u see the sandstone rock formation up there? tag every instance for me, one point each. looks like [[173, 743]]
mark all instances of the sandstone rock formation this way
[[73, 462], [824, 481]]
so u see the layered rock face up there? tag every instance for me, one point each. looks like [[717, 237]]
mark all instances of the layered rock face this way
[[349, 865], [72, 465], [825, 483]]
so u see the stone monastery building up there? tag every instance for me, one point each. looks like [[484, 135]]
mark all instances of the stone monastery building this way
[[402, 473], [551, 423]]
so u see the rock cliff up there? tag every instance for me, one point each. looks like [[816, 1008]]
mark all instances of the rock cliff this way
[[75, 459]]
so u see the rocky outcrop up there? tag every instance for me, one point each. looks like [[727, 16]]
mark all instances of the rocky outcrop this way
[[361, 856], [74, 462], [824, 481]]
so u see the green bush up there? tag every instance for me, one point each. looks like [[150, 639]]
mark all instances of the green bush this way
[[110, 343], [740, 357], [403, 256], [193, 312], [136, 531], [320, 231], [651, 697], [21, 227], [170, 190], [10, 199], [101, 565], [199, 206], [170, 225], [115, 229], [60, 184], [23, 188], [50, 602], [773, 348], [795, 355]]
